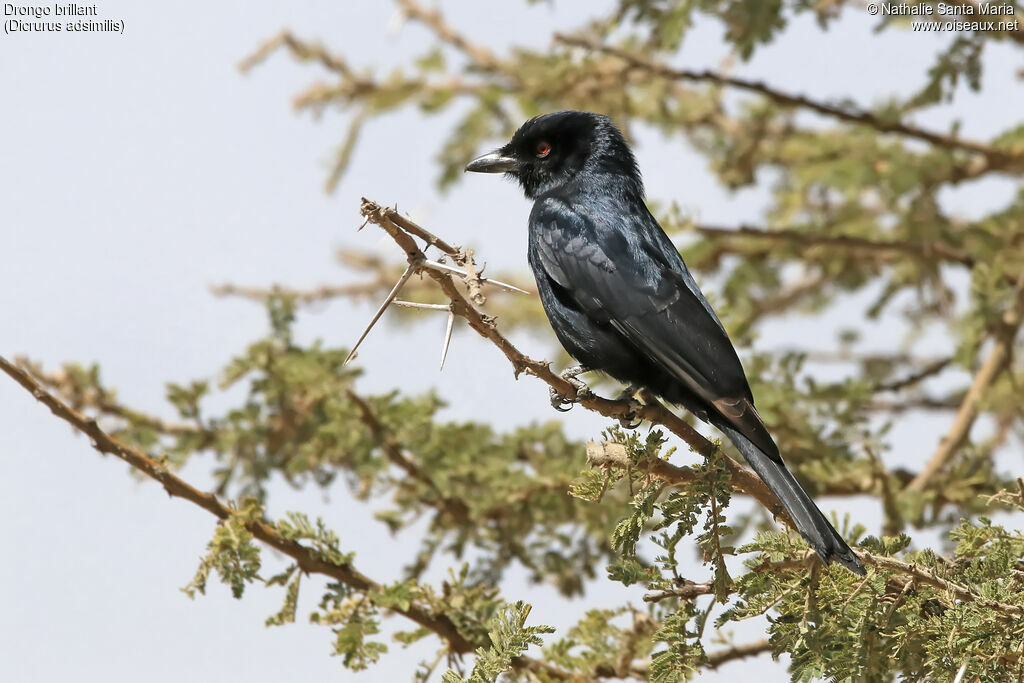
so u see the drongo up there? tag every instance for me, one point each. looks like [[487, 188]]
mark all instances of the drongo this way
[[621, 300]]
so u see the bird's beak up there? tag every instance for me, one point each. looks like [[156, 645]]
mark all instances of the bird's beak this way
[[495, 162]]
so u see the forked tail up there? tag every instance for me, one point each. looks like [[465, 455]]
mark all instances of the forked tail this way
[[809, 520]]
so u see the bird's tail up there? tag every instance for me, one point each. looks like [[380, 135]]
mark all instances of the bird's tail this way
[[809, 520]]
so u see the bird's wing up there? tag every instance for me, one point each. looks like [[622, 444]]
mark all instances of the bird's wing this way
[[618, 277]]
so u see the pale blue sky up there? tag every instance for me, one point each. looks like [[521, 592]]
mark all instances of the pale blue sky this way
[[136, 170]]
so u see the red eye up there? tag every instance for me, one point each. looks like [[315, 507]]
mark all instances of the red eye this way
[[543, 149]]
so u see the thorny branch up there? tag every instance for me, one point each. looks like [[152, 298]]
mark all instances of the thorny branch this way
[[380, 278], [651, 411], [439, 623]]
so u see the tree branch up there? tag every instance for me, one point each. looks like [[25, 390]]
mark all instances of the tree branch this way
[[97, 397], [652, 410], [360, 290], [998, 360], [394, 452], [717, 659], [929, 370], [992, 158], [925, 250], [687, 591], [263, 530], [924, 576], [481, 57]]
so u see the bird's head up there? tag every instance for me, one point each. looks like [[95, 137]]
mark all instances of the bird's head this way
[[551, 151]]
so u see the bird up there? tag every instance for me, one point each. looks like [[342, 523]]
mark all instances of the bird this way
[[621, 300]]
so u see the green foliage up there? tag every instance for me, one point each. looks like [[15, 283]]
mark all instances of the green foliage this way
[[231, 553], [324, 542], [510, 637], [855, 212], [679, 660], [593, 643], [286, 615], [353, 621]]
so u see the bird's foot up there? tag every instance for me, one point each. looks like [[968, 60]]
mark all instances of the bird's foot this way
[[632, 419], [562, 403]]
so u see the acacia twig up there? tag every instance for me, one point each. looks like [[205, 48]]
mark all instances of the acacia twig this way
[[99, 398], [395, 453]]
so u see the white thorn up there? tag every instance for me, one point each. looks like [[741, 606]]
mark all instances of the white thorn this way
[[380, 311], [447, 336], [502, 285], [960, 674], [444, 268], [416, 304]]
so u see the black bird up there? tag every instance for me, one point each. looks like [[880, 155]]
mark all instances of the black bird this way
[[621, 300]]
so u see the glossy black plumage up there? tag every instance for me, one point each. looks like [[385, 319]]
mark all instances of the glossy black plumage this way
[[621, 300]]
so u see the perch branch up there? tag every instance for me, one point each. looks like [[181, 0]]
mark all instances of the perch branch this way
[[652, 410], [656, 413]]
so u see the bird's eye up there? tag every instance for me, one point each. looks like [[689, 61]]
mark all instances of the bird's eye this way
[[543, 149]]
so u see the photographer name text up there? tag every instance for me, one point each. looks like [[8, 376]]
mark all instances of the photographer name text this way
[[951, 17]]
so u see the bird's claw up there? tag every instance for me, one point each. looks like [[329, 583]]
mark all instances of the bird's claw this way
[[559, 402], [632, 419], [562, 403]]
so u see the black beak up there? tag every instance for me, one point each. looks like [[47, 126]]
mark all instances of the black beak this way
[[495, 162]]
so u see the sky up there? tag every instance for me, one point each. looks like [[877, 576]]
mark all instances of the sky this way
[[136, 170]]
